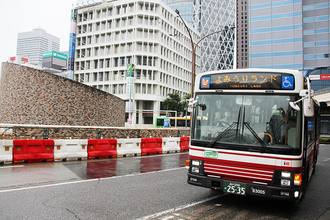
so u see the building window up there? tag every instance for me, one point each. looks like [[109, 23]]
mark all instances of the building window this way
[[122, 61], [95, 77]]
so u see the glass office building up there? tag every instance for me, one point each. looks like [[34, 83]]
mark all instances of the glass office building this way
[[208, 16], [291, 34], [185, 7]]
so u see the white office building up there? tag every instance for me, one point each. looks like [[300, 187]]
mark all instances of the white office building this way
[[32, 44], [110, 36]]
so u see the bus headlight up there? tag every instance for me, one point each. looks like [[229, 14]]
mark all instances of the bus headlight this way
[[285, 182], [286, 174], [195, 169], [195, 162]]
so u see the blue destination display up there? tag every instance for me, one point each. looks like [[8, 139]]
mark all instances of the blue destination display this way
[[281, 81]]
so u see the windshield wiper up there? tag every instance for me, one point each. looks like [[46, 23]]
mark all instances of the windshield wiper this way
[[247, 124], [222, 134], [255, 135]]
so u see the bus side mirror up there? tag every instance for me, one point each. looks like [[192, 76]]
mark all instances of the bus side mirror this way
[[308, 107], [308, 103]]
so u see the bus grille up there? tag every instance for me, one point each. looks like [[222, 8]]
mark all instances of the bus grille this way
[[236, 171]]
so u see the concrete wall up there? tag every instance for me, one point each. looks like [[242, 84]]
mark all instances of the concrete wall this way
[[30, 96]]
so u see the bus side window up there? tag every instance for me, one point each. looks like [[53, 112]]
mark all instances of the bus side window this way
[[311, 130]]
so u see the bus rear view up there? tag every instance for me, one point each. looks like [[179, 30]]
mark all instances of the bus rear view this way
[[254, 132]]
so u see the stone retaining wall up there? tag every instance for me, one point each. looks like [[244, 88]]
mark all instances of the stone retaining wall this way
[[31, 96]]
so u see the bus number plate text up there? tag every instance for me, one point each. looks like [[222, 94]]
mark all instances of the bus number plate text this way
[[234, 188]]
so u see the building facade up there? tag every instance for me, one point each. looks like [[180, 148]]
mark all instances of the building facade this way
[[185, 7], [292, 34], [32, 44], [54, 60], [111, 36], [218, 49], [208, 16], [242, 36]]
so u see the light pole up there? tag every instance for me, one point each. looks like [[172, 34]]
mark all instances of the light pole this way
[[193, 49]]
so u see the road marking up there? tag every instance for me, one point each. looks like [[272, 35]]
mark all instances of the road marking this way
[[177, 209], [90, 180], [325, 160], [11, 166]]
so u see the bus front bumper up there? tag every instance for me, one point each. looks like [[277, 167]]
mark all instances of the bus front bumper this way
[[251, 189]]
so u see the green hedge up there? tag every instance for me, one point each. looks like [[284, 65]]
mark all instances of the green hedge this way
[[324, 140]]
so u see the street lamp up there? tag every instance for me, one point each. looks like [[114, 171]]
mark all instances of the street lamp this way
[[193, 48]]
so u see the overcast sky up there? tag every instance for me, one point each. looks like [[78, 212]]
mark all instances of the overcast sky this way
[[24, 15]]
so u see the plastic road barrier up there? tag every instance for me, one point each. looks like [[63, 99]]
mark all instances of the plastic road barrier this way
[[102, 148], [184, 144], [70, 149], [128, 147], [6, 151], [171, 145], [33, 151], [151, 146]]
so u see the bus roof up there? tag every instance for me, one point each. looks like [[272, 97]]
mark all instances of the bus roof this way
[[250, 80]]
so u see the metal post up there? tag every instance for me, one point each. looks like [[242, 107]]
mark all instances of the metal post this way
[[193, 50]]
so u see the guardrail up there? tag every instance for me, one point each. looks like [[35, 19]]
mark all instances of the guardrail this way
[[321, 92], [82, 132]]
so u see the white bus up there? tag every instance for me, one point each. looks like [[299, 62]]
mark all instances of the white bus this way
[[259, 133]]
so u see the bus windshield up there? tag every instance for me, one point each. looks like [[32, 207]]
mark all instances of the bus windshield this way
[[254, 121]]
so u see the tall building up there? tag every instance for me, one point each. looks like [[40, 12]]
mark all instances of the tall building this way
[[185, 7], [242, 36], [113, 35], [209, 16], [32, 44], [292, 34], [218, 49]]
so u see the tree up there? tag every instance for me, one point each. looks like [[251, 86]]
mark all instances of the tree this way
[[175, 103]]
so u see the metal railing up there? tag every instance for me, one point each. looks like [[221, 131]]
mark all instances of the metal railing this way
[[321, 92], [80, 132]]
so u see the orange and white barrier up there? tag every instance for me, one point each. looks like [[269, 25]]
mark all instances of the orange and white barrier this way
[[70, 149], [171, 145], [184, 143], [6, 151], [151, 146], [33, 151], [19, 151], [128, 147], [102, 148]]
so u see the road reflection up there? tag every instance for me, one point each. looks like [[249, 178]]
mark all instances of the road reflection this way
[[125, 166]]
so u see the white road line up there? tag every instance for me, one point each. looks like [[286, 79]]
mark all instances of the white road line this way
[[11, 166], [90, 180], [325, 160], [176, 209]]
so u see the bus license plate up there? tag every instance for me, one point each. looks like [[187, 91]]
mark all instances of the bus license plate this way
[[234, 188]]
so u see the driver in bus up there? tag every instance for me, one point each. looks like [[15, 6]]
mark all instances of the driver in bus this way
[[228, 119]]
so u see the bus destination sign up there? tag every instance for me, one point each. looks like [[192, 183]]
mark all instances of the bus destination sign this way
[[281, 81]]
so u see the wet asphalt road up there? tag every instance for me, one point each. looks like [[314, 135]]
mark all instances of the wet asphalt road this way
[[152, 187], [31, 174]]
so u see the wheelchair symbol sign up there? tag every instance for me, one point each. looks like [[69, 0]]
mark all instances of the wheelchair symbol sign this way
[[287, 82]]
